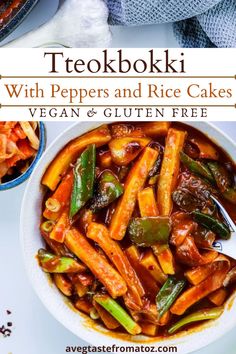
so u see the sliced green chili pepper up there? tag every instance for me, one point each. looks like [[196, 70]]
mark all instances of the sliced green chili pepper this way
[[84, 176], [55, 264], [148, 231], [212, 224], [223, 181], [196, 167], [109, 189], [202, 315], [118, 313], [220, 174], [168, 294]]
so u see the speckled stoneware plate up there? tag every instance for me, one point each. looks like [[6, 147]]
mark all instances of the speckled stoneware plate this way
[[12, 13], [31, 241]]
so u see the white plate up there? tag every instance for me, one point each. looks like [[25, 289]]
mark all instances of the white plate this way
[[31, 241]]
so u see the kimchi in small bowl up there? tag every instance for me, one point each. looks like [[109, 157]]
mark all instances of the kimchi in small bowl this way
[[21, 146]]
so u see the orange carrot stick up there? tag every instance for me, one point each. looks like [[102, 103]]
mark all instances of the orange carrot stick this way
[[68, 155], [134, 183], [218, 297], [169, 170], [62, 196], [200, 273], [147, 202], [98, 265], [198, 292], [99, 234]]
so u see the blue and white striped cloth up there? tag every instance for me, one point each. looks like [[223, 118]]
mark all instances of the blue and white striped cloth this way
[[196, 23]]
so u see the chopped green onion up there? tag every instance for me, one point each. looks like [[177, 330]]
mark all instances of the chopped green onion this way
[[118, 313], [202, 315]]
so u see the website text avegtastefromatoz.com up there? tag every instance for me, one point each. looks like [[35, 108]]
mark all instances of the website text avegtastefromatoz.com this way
[[121, 349]]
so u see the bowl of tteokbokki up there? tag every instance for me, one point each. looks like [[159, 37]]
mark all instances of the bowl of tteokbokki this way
[[21, 146], [117, 229]]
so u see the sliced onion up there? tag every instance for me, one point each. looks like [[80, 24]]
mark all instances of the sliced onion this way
[[30, 133], [230, 277], [34, 125]]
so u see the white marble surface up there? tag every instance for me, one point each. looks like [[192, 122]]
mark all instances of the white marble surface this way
[[147, 36], [35, 331]]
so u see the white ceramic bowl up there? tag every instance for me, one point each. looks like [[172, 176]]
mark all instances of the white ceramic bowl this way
[[31, 241]]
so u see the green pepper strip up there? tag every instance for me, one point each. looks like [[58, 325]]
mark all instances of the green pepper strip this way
[[219, 174], [202, 315], [118, 313], [84, 176], [148, 231], [168, 294], [109, 189], [55, 264], [196, 167], [212, 224]]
